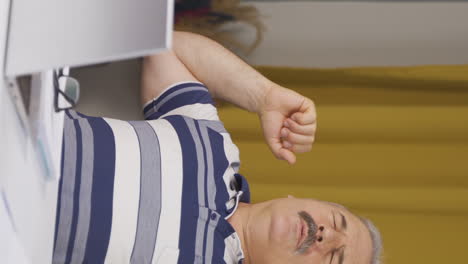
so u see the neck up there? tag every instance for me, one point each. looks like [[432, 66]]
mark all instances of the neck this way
[[239, 221]]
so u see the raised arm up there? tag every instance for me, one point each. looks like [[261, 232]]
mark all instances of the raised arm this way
[[226, 76], [288, 119]]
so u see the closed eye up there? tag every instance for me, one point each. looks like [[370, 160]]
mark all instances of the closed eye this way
[[334, 221]]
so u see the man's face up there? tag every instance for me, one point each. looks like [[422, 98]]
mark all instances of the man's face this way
[[292, 230]]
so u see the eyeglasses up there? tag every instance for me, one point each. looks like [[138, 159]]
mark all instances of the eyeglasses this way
[[67, 91]]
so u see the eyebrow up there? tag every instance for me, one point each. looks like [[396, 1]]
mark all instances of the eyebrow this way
[[341, 259]]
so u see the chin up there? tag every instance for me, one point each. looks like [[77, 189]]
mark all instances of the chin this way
[[283, 229]]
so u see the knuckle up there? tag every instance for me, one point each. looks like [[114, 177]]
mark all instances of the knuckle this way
[[301, 129], [291, 137], [295, 126]]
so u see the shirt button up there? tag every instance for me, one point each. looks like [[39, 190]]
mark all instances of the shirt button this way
[[213, 216]]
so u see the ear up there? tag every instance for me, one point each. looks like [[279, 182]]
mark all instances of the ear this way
[[290, 196]]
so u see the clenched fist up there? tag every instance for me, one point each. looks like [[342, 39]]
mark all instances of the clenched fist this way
[[289, 122]]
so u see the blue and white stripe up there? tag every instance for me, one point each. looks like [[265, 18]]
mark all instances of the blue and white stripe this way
[[150, 194], [154, 191]]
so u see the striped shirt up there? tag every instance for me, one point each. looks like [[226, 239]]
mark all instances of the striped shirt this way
[[158, 190]]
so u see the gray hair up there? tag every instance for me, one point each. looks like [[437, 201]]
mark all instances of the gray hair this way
[[377, 246]]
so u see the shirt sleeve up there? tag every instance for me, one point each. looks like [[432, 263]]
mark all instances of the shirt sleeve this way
[[190, 99]]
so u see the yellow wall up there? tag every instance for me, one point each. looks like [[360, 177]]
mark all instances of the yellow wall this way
[[392, 145]]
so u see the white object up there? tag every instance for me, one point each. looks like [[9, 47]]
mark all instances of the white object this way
[[11, 250], [31, 198], [38, 37], [46, 124], [53, 33]]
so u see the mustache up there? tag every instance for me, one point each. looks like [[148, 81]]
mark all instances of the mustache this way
[[311, 233]]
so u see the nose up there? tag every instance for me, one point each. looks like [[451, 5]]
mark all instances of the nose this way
[[328, 238]]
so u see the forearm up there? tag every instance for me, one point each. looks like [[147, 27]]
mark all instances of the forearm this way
[[226, 76]]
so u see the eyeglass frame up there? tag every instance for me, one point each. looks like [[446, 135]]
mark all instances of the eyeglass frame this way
[[57, 74]]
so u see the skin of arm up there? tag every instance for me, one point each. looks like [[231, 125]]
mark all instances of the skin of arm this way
[[226, 76], [288, 119]]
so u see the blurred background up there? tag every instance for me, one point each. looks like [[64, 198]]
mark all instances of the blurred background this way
[[390, 81]]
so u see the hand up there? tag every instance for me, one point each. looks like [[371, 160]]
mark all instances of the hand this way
[[289, 122]]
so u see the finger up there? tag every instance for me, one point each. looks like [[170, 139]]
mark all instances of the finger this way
[[296, 138], [297, 148], [288, 155], [300, 129], [275, 146], [305, 118], [301, 148]]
